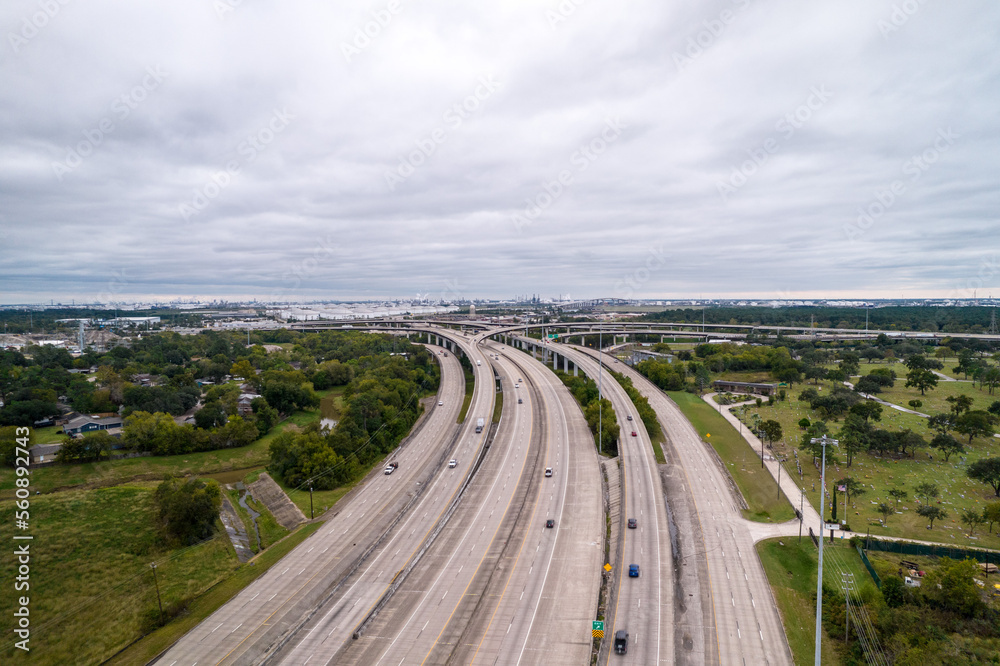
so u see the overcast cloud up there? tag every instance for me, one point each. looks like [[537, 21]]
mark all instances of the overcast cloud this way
[[219, 148]]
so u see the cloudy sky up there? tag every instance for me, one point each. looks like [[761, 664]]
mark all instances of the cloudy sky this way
[[278, 150]]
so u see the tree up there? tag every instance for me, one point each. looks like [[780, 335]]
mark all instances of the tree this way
[[991, 514], [941, 423], [975, 424], [212, 415], [855, 436], [804, 423], [246, 370], [187, 509], [947, 445], [915, 404], [95, 446], [869, 410], [953, 586], [850, 363], [893, 591], [986, 470], [972, 518], [886, 511], [959, 404], [868, 385], [922, 379], [897, 494], [932, 513], [851, 487], [771, 430], [815, 373], [927, 490]]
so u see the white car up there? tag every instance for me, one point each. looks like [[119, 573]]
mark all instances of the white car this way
[[452, 463], [440, 403], [548, 471]]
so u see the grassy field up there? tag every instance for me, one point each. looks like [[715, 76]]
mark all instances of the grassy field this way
[[90, 572], [470, 386], [880, 474], [149, 646], [109, 473], [791, 571], [757, 485]]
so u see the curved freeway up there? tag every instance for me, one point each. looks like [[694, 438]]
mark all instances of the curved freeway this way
[[749, 629], [250, 624]]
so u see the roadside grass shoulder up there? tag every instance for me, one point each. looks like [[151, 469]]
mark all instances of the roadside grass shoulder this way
[[91, 577], [791, 571], [145, 649], [758, 487], [470, 387]]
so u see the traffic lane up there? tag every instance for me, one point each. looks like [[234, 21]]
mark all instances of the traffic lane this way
[[748, 624], [421, 609], [344, 614], [230, 626], [640, 609], [517, 608]]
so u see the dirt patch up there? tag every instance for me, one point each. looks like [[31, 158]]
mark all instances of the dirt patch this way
[[274, 498]]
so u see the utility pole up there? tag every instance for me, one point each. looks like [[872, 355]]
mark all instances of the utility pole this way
[[848, 581], [819, 575], [311, 516], [157, 583]]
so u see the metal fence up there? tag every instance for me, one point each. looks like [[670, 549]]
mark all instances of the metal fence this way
[[955, 553], [871, 569]]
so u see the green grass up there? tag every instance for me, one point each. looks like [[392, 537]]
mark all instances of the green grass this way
[[470, 387], [757, 485], [149, 646], [322, 499], [234, 499], [90, 572], [791, 571], [498, 407], [115, 472], [49, 435], [958, 492]]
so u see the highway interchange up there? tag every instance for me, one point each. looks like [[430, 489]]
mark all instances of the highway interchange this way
[[435, 564]]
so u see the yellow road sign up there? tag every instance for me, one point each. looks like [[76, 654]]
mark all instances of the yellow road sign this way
[[607, 567]]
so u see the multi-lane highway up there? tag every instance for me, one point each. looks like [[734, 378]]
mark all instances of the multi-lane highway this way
[[264, 613], [441, 564], [749, 629]]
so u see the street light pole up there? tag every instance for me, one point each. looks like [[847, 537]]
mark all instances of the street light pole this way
[[817, 657], [157, 583], [311, 516], [600, 395]]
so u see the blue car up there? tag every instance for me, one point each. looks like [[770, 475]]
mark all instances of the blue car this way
[[633, 571]]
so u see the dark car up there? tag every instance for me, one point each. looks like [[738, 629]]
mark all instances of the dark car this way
[[519, 401], [632, 524], [634, 434], [621, 642], [633, 571], [550, 523]]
